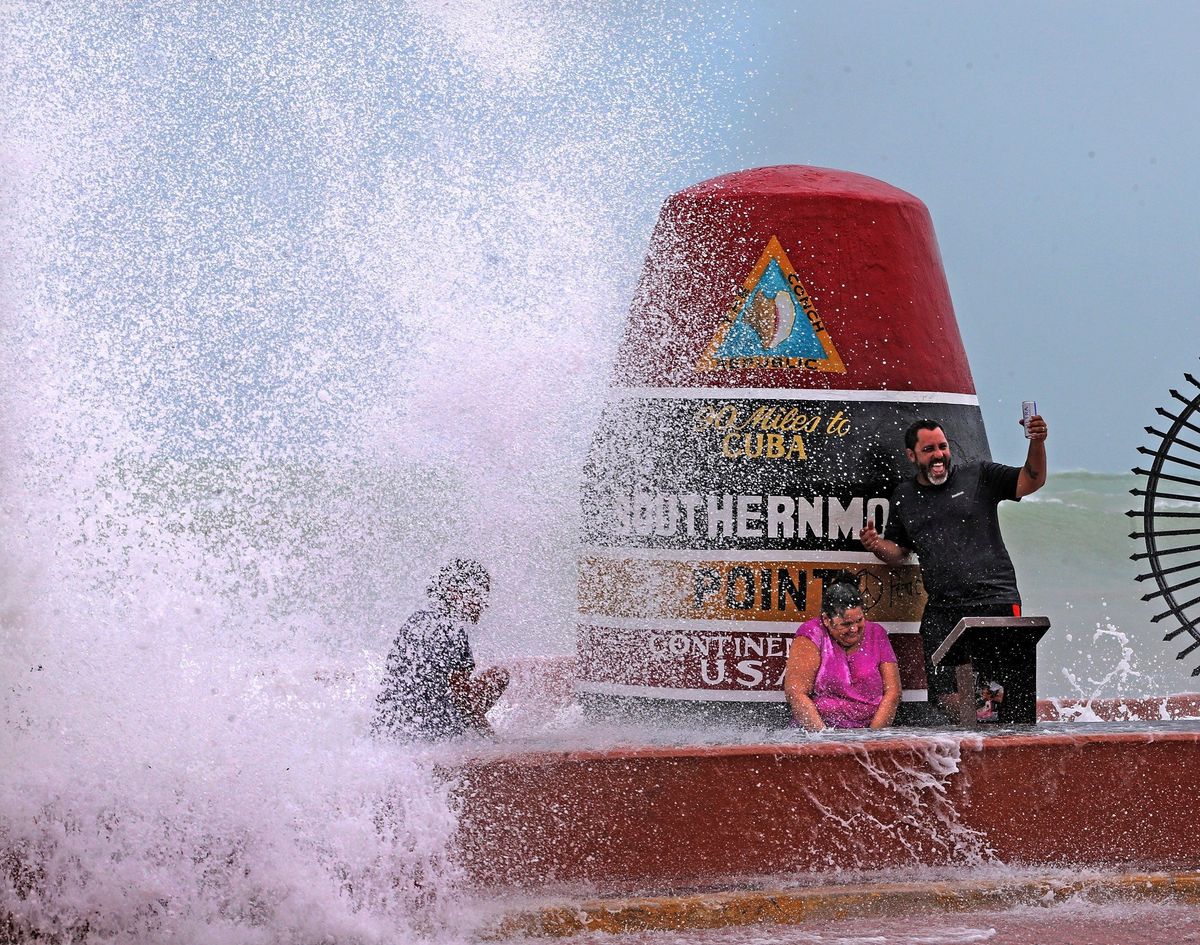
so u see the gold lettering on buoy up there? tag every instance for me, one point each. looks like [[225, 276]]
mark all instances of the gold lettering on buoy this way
[[740, 591], [714, 419], [769, 431], [838, 425]]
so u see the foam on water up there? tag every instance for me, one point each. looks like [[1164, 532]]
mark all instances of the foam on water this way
[[908, 802], [298, 301]]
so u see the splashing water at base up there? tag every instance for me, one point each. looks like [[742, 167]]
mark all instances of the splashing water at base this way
[[1115, 674], [908, 805], [1076, 922], [181, 776], [297, 303]]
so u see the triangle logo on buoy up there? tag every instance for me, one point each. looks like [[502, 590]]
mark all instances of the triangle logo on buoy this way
[[773, 324]]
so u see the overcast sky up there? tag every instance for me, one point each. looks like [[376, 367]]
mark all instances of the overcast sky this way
[[269, 154], [1055, 146]]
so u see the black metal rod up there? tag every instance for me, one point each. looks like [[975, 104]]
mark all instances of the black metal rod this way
[[1171, 459], [1172, 634], [1158, 513], [1174, 610], [1188, 443], [1176, 441], [1187, 649], [1161, 554], [1166, 532], [1170, 416], [1167, 495], [1166, 571], [1171, 590], [1183, 479]]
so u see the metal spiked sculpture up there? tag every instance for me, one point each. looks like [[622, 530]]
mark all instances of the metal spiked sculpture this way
[[1172, 498]]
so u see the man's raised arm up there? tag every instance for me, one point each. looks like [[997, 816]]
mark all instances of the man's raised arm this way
[[886, 551], [1033, 473]]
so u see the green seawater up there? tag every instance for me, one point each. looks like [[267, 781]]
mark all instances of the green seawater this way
[[1071, 547]]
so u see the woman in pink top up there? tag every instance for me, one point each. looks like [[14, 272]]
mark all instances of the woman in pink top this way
[[841, 671]]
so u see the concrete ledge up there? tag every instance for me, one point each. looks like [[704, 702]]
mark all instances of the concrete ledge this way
[[825, 903], [1184, 705], [634, 819]]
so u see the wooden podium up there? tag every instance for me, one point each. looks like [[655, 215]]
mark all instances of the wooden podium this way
[[1004, 648]]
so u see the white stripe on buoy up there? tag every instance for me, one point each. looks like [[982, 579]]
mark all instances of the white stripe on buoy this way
[[720, 626], [697, 554]]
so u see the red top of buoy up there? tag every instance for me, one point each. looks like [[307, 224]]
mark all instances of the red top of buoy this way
[[790, 179], [794, 277]]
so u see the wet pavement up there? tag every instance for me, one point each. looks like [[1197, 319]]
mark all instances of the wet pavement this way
[[1076, 922]]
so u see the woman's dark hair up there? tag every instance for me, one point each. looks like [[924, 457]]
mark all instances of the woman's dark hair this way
[[840, 593]]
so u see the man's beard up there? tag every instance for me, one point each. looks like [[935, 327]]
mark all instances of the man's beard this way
[[940, 477]]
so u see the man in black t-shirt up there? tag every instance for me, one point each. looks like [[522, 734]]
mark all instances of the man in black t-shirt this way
[[948, 515], [430, 688]]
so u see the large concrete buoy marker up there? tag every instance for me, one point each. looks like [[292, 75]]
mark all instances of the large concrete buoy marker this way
[[790, 323]]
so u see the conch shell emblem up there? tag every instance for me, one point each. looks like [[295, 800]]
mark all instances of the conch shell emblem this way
[[771, 318], [761, 330]]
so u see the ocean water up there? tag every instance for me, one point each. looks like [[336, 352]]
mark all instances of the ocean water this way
[[1071, 547], [296, 303]]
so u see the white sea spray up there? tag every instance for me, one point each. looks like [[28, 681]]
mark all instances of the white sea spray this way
[[296, 302], [909, 803]]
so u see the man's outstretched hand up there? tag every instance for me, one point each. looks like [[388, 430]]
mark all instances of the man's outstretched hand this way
[[886, 551], [870, 537]]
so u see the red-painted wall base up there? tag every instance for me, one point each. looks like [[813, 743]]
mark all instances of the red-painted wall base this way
[[665, 819]]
